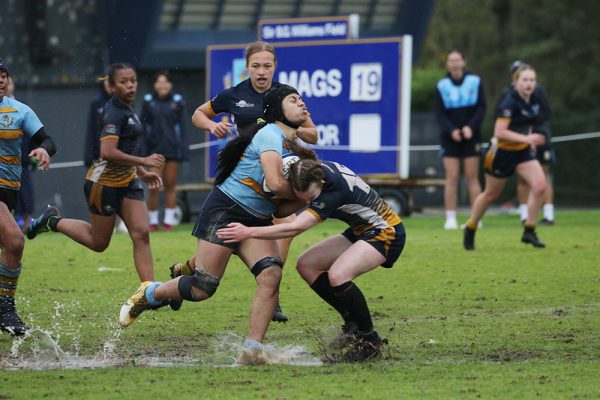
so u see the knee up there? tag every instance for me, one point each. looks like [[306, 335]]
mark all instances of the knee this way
[[140, 235], [268, 272], [336, 277], [490, 197], [100, 246], [200, 286], [538, 188], [303, 266], [14, 243]]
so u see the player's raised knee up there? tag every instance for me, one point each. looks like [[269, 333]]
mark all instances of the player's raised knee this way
[[199, 286]]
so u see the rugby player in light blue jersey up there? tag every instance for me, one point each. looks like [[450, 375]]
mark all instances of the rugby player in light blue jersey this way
[[16, 120]]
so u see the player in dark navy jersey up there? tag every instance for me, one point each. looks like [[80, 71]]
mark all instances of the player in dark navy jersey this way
[[375, 237], [459, 108], [545, 153], [244, 103], [513, 150], [113, 184]]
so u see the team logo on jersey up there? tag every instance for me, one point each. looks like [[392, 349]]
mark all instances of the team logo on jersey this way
[[243, 104], [320, 205], [131, 121], [6, 121]]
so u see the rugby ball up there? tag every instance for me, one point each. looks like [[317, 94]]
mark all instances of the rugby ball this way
[[288, 160]]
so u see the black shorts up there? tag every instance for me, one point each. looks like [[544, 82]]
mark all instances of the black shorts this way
[[217, 212], [502, 163], [464, 149], [545, 154], [107, 200], [9, 197], [388, 241]]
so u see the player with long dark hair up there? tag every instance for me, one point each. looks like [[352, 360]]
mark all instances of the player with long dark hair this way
[[244, 103], [243, 164]]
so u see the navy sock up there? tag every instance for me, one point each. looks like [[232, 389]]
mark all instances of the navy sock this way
[[352, 298], [323, 288]]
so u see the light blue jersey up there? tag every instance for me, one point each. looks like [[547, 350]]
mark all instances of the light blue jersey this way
[[16, 120], [245, 184]]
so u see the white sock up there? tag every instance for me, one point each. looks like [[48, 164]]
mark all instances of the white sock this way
[[153, 217], [170, 216], [549, 212], [451, 214], [523, 211]]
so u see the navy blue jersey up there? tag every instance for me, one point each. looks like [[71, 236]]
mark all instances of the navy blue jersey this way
[[120, 122], [164, 127], [460, 103], [542, 124], [523, 117], [345, 196], [242, 101]]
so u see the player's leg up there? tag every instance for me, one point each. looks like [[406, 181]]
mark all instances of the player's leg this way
[[170, 181], [493, 189], [313, 266], [263, 260], [12, 243], [134, 214], [153, 203], [452, 175], [531, 171]]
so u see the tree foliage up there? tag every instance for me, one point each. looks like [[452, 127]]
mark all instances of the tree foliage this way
[[560, 39]]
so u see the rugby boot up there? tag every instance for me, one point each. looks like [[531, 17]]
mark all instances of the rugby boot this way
[[134, 306], [469, 238], [278, 315], [10, 321], [178, 269], [546, 221], [42, 223], [529, 236], [367, 346]]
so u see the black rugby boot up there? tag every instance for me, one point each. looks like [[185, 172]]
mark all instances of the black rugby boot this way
[[10, 321], [42, 223], [469, 238], [529, 236], [278, 315]]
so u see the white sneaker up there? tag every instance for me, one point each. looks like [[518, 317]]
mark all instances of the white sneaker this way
[[121, 227], [451, 224]]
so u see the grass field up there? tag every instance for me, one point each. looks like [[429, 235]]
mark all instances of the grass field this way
[[504, 321]]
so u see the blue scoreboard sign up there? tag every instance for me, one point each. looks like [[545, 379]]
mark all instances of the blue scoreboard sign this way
[[357, 91]]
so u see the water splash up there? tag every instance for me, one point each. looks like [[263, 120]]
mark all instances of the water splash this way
[[231, 348]]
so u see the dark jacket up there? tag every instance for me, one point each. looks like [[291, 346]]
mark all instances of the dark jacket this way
[[91, 151], [163, 120]]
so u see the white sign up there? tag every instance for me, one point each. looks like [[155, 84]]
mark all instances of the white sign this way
[[365, 82]]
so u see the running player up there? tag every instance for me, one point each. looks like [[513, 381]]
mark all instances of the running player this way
[[16, 120], [244, 102], [513, 149], [113, 184]]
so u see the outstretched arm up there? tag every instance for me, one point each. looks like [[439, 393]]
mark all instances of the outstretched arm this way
[[236, 232]]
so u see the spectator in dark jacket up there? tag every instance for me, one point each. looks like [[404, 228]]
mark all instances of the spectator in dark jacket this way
[[163, 115], [94, 122]]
